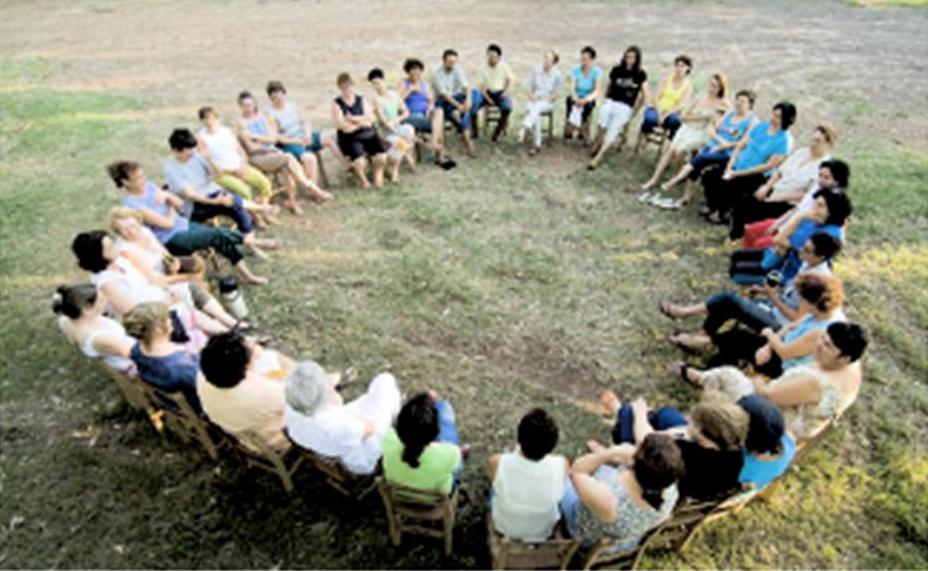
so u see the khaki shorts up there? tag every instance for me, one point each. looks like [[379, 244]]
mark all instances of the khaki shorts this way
[[270, 162]]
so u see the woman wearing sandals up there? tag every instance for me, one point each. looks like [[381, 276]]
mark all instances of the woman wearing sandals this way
[[696, 131]]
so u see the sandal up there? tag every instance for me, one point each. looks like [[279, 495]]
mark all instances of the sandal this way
[[679, 344]]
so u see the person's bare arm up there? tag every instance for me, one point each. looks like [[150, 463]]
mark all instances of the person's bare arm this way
[[247, 139], [118, 297], [784, 233], [685, 100], [493, 466], [797, 348], [596, 496], [112, 344], [798, 390], [339, 119], [641, 427], [772, 163], [152, 218]]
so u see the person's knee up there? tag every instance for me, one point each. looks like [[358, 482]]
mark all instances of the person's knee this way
[[379, 159]]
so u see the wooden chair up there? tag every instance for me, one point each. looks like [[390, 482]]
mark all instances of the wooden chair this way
[[802, 448], [179, 418], [259, 455], [657, 137], [548, 117], [689, 516], [491, 116], [506, 553], [347, 483], [419, 512], [128, 386], [323, 177], [607, 553]]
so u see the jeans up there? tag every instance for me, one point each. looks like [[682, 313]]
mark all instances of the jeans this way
[[448, 429], [421, 122], [570, 505], [707, 159], [726, 306], [461, 121], [254, 181], [199, 237], [237, 212], [623, 432], [749, 267], [670, 123], [497, 99], [297, 151]]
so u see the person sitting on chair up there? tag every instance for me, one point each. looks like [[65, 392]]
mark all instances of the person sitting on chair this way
[[798, 174], [670, 99], [242, 389], [229, 164], [318, 419], [752, 162], [768, 449], [496, 81], [258, 136], [160, 362], [695, 132], [624, 491], [810, 395], [627, 91], [424, 115], [161, 212], [358, 140], [80, 317], [391, 113], [454, 97], [295, 133], [423, 451], [543, 92], [724, 135], [583, 85], [529, 482], [710, 437]]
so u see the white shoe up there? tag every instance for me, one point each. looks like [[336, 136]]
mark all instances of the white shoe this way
[[656, 198], [646, 196], [669, 204]]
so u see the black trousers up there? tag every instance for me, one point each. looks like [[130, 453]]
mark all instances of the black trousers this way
[[722, 195], [748, 209], [738, 347]]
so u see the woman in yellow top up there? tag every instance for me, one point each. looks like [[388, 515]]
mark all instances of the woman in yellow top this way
[[671, 97]]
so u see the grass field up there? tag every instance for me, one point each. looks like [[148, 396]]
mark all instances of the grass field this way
[[506, 283]]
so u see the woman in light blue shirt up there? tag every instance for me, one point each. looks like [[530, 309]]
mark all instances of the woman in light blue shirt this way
[[583, 85]]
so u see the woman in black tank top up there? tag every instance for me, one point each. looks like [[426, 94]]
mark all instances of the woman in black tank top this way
[[357, 137]]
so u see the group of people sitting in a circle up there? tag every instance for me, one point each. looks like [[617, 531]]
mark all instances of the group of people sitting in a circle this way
[[781, 359]]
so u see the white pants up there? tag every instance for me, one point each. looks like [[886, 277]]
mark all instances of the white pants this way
[[532, 118], [400, 141], [613, 116]]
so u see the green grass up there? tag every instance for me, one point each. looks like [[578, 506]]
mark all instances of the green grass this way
[[506, 283]]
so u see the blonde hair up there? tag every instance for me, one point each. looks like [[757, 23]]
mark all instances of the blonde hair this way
[[721, 421], [122, 213], [829, 132], [142, 320], [723, 84]]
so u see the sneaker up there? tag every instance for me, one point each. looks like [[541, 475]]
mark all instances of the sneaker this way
[[668, 204], [646, 196], [656, 198]]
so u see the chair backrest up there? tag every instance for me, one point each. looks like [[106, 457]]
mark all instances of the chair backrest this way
[[180, 419], [257, 453], [346, 482], [421, 512], [128, 386], [506, 553], [803, 446], [608, 553], [688, 515]]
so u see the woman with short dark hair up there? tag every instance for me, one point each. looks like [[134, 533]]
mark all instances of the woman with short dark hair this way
[[752, 162], [624, 491], [357, 138]]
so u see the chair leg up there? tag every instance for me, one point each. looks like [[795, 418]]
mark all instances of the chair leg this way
[[449, 533], [323, 177]]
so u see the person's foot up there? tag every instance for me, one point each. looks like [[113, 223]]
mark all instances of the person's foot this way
[[591, 166], [594, 446], [646, 196], [690, 341], [687, 374], [521, 136], [267, 243], [671, 204], [394, 175], [322, 196], [252, 279], [649, 184], [667, 185], [447, 164], [295, 208], [609, 401], [533, 151], [465, 451], [670, 310], [471, 151]]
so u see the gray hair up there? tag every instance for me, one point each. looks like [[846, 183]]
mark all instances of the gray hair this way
[[307, 388]]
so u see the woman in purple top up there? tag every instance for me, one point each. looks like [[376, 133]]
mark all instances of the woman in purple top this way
[[160, 211], [424, 116]]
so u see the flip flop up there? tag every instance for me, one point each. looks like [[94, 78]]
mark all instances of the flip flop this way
[[664, 308], [679, 345]]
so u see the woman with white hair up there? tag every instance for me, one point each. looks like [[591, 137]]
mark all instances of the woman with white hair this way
[[317, 418]]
